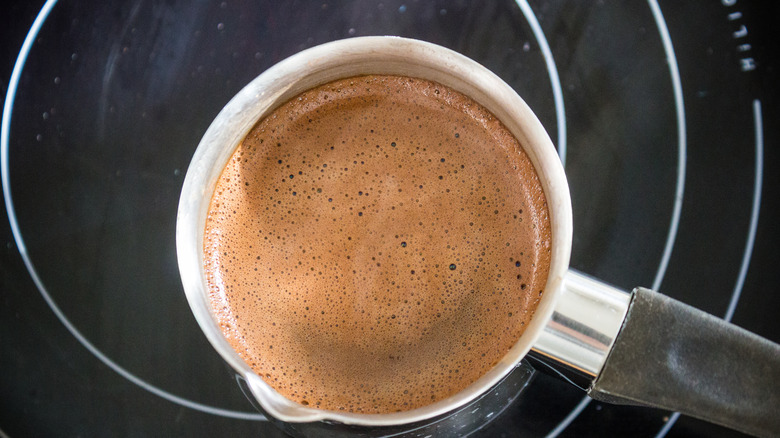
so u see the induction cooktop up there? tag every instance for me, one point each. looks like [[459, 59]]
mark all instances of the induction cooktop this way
[[663, 113]]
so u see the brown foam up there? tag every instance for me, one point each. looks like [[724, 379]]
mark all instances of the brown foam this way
[[376, 244]]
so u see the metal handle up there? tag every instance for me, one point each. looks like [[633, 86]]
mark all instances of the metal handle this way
[[577, 340], [647, 349]]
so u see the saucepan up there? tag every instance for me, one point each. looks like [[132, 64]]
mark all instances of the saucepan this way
[[639, 348]]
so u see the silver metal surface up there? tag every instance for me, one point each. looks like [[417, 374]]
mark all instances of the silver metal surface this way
[[586, 320], [342, 59]]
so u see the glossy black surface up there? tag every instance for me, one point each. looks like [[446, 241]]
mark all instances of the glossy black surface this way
[[115, 96]]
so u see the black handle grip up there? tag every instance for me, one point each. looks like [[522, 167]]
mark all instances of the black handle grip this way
[[672, 356]]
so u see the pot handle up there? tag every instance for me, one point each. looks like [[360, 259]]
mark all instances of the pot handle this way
[[672, 356]]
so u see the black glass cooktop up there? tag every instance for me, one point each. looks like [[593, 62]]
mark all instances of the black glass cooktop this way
[[664, 113]]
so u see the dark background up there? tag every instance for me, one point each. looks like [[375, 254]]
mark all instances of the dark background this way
[[115, 96]]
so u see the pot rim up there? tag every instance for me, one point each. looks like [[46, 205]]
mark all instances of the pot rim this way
[[322, 64]]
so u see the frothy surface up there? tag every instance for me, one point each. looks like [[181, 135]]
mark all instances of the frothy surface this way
[[376, 244]]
